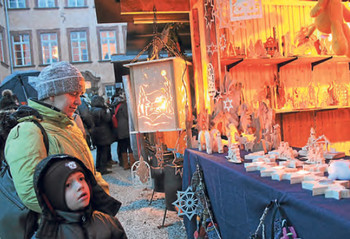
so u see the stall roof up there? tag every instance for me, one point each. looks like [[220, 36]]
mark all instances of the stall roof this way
[[140, 11]]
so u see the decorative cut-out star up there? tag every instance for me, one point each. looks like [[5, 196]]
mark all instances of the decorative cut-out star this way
[[186, 203], [228, 104], [211, 48]]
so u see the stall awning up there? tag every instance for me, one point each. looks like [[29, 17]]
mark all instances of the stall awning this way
[[142, 12]]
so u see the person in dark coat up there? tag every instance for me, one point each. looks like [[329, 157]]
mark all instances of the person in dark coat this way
[[88, 121], [102, 133], [8, 105], [8, 100], [125, 154], [73, 204]]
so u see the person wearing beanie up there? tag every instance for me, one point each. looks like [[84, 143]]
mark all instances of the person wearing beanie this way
[[73, 204], [8, 100], [59, 87]]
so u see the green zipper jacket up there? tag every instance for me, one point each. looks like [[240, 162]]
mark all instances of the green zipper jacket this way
[[25, 148]]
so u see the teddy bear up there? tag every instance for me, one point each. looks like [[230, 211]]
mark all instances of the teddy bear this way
[[329, 18]]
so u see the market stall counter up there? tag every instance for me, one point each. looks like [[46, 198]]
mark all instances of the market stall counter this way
[[238, 199]]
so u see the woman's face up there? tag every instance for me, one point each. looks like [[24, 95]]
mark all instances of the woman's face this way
[[67, 103]]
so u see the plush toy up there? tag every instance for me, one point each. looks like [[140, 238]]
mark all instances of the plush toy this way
[[329, 18], [339, 169]]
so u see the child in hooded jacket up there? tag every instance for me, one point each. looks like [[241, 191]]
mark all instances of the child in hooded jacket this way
[[73, 204]]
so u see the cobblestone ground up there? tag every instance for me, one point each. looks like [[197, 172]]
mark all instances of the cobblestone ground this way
[[139, 218]]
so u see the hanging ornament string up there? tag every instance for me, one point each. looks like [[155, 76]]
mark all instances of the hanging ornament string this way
[[157, 40], [138, 143]]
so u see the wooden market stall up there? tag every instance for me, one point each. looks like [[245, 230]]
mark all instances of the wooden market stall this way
[[263, 56], [262, 66]]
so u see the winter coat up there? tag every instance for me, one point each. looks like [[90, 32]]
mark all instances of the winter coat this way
[[25, 148], [102, 133], [122, 131], [85, 114], [96, 221]]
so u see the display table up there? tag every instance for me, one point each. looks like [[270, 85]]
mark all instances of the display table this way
[[238, 199]]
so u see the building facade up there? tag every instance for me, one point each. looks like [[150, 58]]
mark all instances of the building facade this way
[[36, 33]]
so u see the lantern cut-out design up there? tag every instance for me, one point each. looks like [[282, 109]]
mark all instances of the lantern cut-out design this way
[[160, 92]]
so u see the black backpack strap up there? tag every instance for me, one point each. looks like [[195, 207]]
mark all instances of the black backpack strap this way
[[45, 137]]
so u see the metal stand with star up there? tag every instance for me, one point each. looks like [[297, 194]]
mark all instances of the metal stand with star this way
[[194, 201]]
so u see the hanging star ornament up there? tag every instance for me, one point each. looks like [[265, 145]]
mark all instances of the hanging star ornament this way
[[186, 203], [212, 48], [228, 104]]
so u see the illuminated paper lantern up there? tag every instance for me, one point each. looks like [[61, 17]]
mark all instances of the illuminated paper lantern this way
[[160, 92]]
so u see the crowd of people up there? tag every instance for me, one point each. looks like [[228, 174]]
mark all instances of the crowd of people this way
[[60, 180]]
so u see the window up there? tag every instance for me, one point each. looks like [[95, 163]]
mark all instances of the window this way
[[2, 55], [76, 3], [110, 90], [46, 3], [21, 49], [17, 3], [108, 44], [79, 46], [49, 48]]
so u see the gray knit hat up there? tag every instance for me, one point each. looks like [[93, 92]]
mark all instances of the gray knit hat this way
[[56, 79]]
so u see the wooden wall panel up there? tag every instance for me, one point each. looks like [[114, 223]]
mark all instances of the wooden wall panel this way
[[334, 124], [296, 127]]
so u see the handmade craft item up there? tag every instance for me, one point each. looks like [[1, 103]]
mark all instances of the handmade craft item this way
[[234, 155], [320, 186], [329, 18], [339, 169], [337, 192], [216, 141], [141, 173]]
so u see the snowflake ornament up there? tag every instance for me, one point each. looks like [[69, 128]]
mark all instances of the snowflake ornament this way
[[228, 105], [212, 48], [186, 203]]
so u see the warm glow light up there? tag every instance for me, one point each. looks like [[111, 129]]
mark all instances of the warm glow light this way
[[159, 95]]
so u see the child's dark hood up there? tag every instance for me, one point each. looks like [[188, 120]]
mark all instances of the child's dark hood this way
[[100, 200]]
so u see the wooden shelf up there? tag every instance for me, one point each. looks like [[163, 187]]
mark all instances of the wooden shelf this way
[[281, 111], [282, 61]]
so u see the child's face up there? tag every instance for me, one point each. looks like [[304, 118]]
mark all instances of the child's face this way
[[77, 191]]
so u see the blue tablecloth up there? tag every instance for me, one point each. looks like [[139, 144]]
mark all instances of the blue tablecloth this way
[[238, 199]]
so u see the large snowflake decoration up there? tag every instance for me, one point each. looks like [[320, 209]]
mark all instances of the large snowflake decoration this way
[[228, 104], [209, 12], [212, 48], [186, 203]]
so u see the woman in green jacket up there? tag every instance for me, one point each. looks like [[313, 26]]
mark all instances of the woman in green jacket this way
[[59, 88]]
